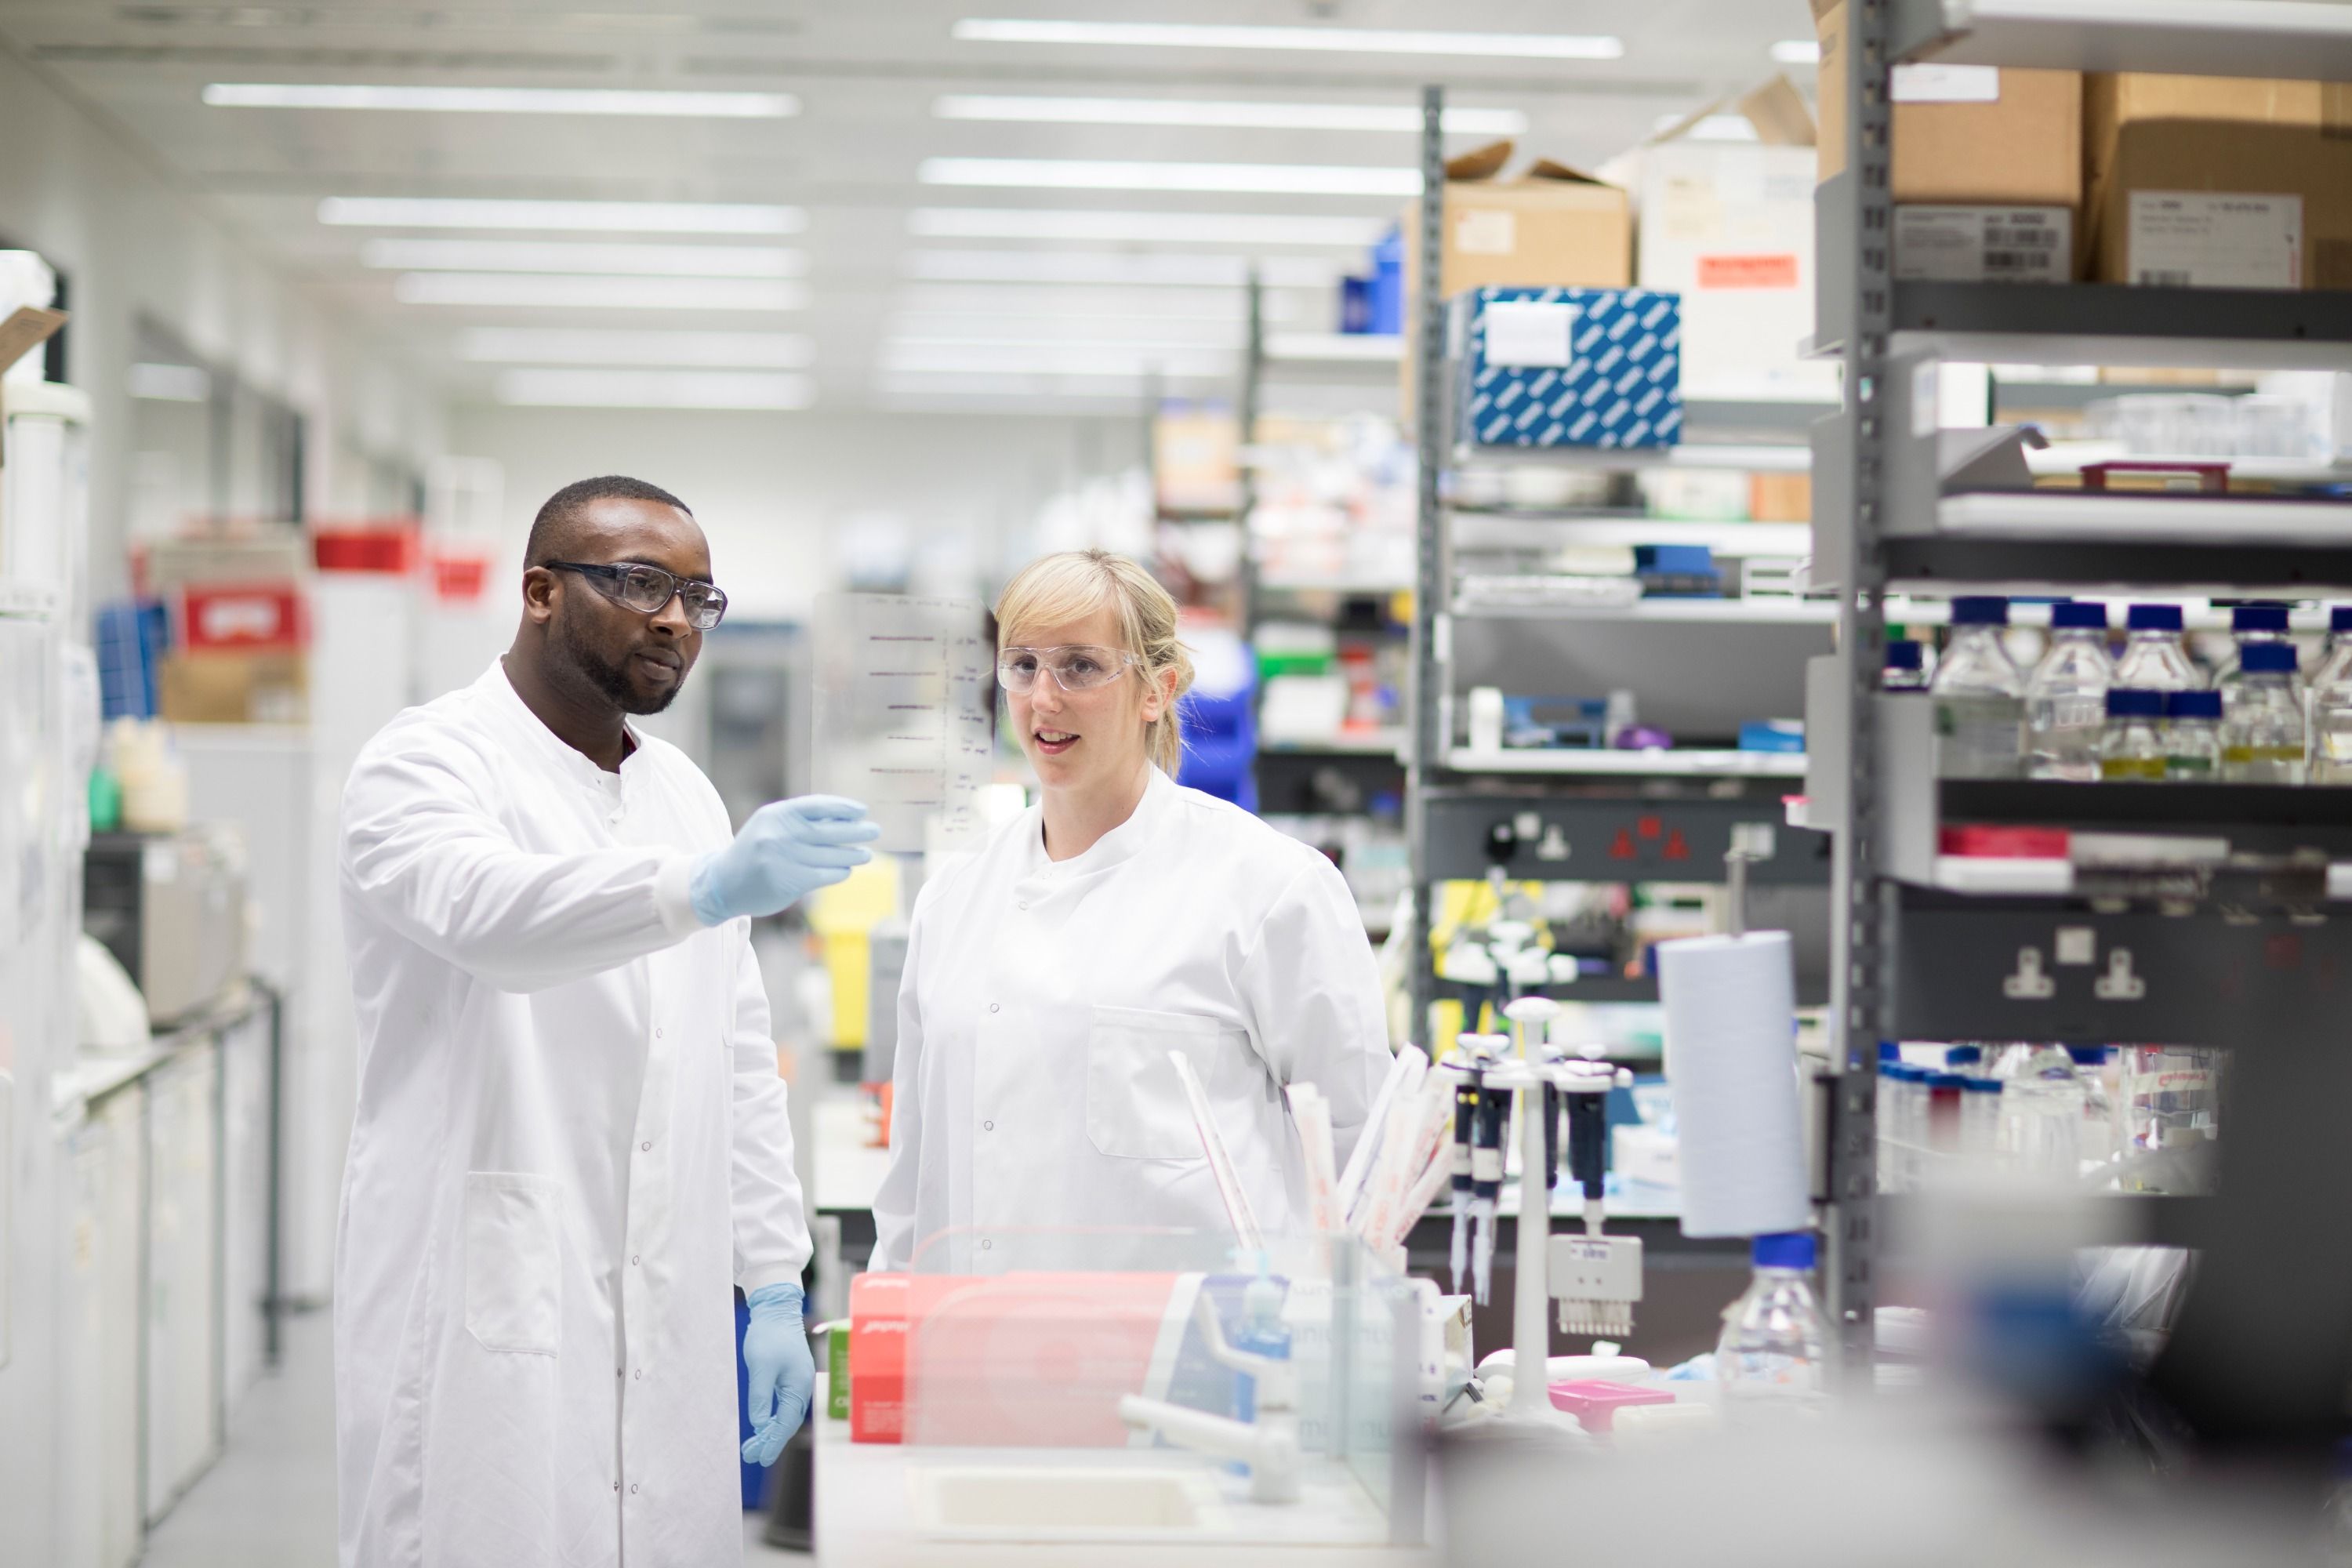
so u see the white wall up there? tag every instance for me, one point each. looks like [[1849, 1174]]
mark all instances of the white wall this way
[[788, 498], [130, 241]]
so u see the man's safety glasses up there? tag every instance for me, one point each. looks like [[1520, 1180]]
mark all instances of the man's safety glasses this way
[[1074, 668], [648, 590]]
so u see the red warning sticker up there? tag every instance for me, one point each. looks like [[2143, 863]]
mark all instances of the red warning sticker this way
[[1773, 271]]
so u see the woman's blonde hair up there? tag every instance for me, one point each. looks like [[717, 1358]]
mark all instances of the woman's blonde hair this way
[[1055, 590]]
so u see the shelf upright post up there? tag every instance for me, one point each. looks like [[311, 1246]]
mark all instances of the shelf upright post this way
[[1430, 411], [1253, 383], [1861, 951]]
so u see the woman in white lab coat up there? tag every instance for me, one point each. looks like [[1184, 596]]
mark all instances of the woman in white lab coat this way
[[1122, 917]]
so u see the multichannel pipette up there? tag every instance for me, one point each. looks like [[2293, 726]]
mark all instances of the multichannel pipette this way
[[1597, 1278]]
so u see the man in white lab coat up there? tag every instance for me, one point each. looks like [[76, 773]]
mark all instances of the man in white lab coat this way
[[570, 1138]]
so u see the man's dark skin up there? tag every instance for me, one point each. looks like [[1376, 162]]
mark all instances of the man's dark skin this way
[[582, 662]]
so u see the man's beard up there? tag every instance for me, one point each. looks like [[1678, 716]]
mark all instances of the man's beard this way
[[601, 675]]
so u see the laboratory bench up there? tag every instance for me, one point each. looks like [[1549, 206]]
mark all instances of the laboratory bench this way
[[1686, 1279]]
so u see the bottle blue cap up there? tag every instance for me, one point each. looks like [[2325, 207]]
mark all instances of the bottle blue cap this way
[[2192, 705], [2127, 702], [2079, 613], [2153, 618], [1982, 1086], [2268, 658], [2258, 618], [2087, 1056], [1788, 1249], [1955, 1055], [2339, 619], [1980, 610], [1903, 654], [1888, 1051]]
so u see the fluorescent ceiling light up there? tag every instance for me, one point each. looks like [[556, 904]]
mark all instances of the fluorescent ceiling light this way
[[1237, 115], [169, 382], [559, 290], [1156, 271], [1083, 360], [1797, 52], [1101, 174], [576, 345], [1015, 385], [560, 255], [615, 217], [997, 302], [653, 389], [1333, 40], [1171, 227], [505, 101], [1191, 331]]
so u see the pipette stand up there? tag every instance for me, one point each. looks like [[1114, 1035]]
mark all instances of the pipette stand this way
[[1532, 1290]]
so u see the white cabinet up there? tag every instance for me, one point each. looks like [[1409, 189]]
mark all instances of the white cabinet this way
[[183, 1274], [103, 1164]]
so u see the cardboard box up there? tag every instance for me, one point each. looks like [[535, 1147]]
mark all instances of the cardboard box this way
[[234, 688], [2218, 182], [1552, 227], [1964, 135], [1196, 462], [1567, 367], [1984, 244], [1729, 228]]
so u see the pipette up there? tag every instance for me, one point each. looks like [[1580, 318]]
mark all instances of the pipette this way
[[1493, 1112], [1466, 1121], [1409, 1064], [1221, 1163], [1597, 1278]]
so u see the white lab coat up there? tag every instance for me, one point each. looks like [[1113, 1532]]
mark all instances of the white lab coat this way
[[1033, 1087], [571, 1141]]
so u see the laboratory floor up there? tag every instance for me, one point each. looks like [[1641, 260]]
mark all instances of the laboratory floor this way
[[270, 1502]]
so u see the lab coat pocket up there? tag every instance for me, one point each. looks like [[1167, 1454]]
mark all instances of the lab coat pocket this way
[[1135, 1107], [514, 1261]]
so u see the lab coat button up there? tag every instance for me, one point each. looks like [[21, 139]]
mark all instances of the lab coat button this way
[[632, 1489], [993, 1007], [646, 1146], [984, 1245], [988, 1127], [641, 1377], [616, 1485], [633, 1260]]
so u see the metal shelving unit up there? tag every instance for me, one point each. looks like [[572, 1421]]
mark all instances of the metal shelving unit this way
[[1597, 815], [2254, 961]]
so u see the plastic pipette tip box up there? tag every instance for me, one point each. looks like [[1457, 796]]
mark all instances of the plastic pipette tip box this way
[[1595, 1404]]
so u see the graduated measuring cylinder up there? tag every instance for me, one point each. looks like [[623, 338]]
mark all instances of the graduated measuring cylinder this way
[[901, 714]]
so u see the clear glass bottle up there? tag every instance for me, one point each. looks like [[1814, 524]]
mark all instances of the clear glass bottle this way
[[2329, 705], [2153, 658], [1769, 1361], [1907, 665], [2193, 736], [2262, 624], [2067, 695], [2042, 1118], [2093, 1070], [1979, 696], [2262, 733], [2133, 748]]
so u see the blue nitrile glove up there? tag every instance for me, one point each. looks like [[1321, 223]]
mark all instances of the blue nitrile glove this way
[[788, 850], [783, 1373]]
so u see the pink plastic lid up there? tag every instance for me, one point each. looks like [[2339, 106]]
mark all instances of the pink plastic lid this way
[[1595, 1403]]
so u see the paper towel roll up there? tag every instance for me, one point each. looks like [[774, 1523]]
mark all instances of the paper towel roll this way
[[1732, 1059]]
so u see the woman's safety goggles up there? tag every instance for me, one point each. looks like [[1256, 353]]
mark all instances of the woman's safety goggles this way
[[1074, 668], [648, 590]]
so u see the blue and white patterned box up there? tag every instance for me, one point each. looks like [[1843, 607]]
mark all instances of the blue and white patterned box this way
[[1568, 367]]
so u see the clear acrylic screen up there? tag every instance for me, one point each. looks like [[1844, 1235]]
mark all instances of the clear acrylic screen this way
[[904, 695]]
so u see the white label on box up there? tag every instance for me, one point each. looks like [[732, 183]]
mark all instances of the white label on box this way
[[1946, 84], [1531, 333], [1984, 244], [1926, 397], [1486, 232], [2195, 239]]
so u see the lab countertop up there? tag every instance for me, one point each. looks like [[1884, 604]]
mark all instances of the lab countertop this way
[[870, 1498]]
